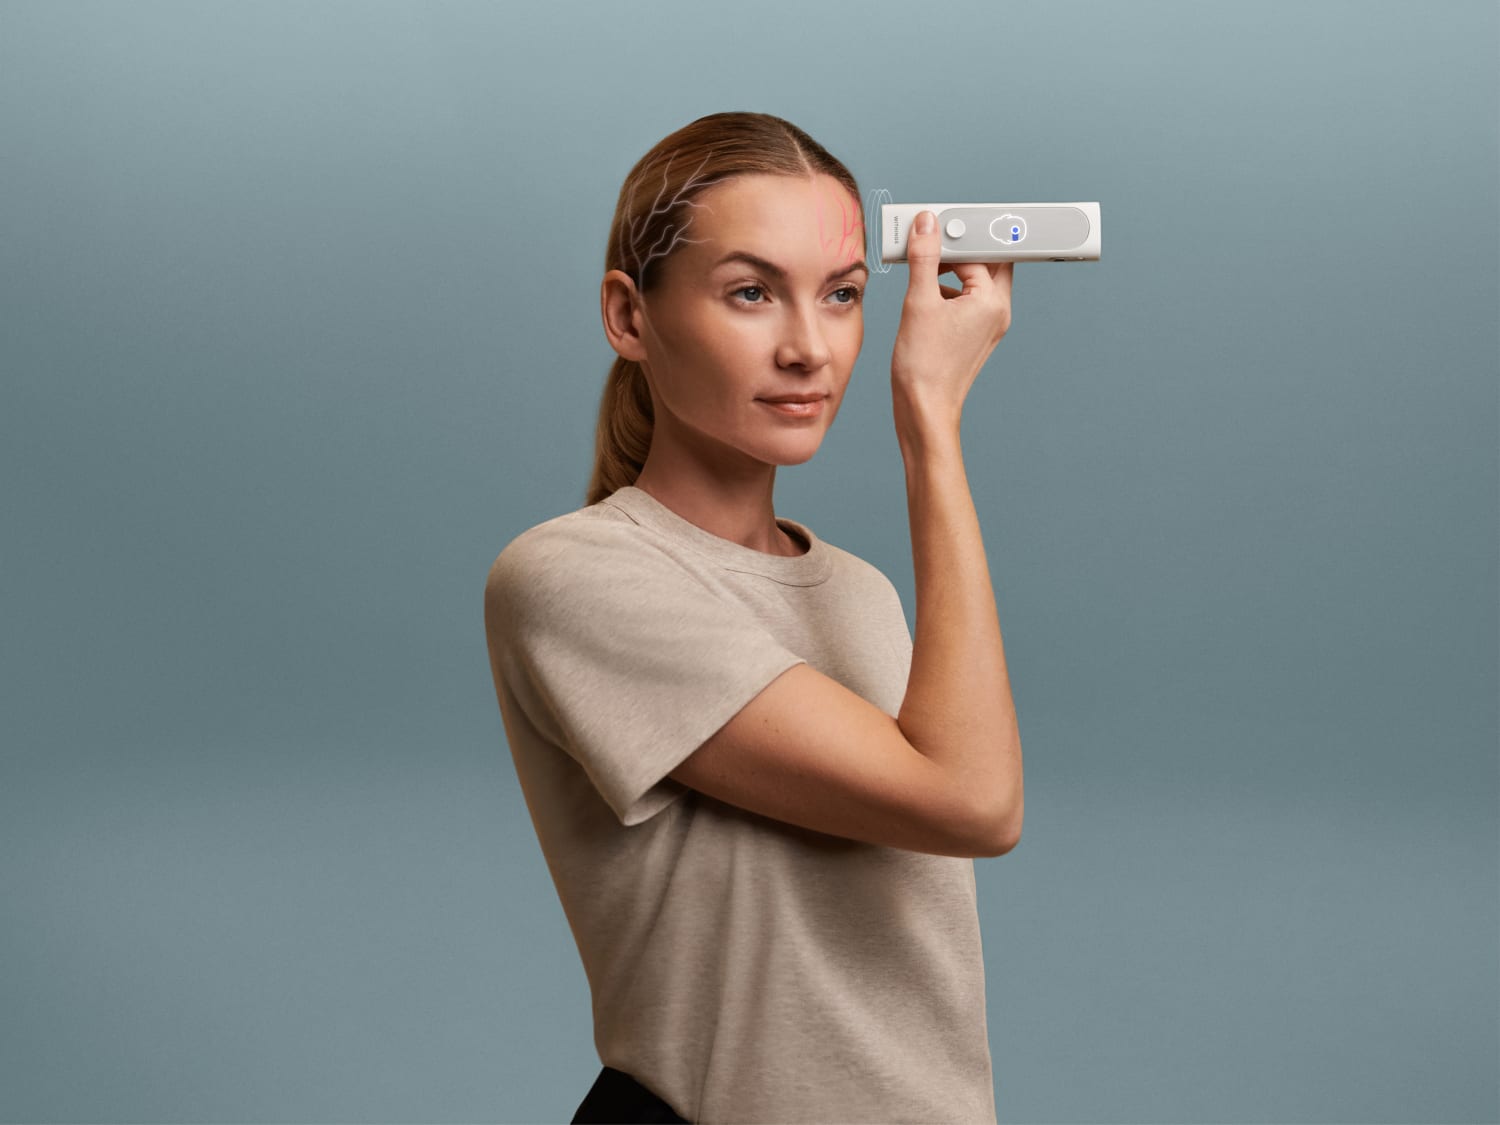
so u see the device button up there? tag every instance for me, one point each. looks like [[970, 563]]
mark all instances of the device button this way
[[955, 228]]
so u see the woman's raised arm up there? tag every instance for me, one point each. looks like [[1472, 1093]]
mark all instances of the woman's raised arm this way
[[945, 776]]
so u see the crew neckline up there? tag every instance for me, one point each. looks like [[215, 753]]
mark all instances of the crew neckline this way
[[806, 569]]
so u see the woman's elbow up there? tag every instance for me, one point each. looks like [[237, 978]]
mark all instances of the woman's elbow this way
[[1003, 829]]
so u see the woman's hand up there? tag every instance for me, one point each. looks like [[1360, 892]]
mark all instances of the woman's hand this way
[[946, 334]]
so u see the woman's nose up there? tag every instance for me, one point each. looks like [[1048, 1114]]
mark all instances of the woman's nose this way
[[802, 342]]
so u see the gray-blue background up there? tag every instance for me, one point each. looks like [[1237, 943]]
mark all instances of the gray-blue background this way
[[300, 327]]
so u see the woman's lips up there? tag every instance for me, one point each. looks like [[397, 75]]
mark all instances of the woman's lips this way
[[794, 409], [797, 405]]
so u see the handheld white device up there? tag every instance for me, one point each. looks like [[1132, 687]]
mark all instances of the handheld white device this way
[[988, 232]]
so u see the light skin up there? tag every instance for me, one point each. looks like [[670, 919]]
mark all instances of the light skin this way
[[715, 338]]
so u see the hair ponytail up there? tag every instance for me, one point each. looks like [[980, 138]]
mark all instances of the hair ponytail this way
[[654, 209], [623, 436]]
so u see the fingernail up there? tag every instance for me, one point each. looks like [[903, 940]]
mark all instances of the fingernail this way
[[925, 222]]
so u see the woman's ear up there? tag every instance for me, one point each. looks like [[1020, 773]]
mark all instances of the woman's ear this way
[[620, 306]]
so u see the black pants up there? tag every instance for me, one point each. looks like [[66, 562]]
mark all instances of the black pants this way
[[618, 1099]]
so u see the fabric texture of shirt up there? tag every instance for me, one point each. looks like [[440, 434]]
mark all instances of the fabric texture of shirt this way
[[743, 968]]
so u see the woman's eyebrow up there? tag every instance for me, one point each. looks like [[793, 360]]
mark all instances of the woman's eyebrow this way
[[776, 271]]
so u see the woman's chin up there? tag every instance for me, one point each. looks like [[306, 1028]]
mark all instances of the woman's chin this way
[[796, 453]]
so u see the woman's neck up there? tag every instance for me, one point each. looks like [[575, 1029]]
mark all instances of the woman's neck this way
[[737, 508]]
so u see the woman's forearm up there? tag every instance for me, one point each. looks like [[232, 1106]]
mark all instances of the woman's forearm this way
[[958, 709]]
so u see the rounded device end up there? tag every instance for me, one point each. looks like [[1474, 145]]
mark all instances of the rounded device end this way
[[874, 244]]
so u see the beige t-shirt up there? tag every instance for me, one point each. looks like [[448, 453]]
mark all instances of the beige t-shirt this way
[[741, 968]]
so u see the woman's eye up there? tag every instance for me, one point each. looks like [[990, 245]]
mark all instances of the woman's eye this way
[[755, 295]]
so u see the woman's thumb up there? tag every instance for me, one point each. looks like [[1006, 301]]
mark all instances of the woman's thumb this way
[[923, 248]]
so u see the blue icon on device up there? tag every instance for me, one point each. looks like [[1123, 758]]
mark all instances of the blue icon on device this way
[[1008, 228]]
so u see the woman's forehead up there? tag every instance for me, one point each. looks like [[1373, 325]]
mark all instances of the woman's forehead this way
[[791, 220]]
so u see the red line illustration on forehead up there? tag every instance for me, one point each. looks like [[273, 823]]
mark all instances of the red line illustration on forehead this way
[[848, 241]]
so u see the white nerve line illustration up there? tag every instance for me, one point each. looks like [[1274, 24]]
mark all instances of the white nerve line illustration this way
[[632, 253]]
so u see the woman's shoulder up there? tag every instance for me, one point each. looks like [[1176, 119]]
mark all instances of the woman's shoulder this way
[[859, 577], [598, 523], [578, 549]]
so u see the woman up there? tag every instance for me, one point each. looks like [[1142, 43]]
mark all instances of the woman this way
[[758, 798]]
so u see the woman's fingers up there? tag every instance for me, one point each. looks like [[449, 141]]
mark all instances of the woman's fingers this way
[[976, 276], [1002, 275], [923, 246]]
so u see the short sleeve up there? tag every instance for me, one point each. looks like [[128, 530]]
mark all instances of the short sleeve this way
[[620, 654]]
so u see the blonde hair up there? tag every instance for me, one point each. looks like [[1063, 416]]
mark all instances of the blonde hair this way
[[653, 210]]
